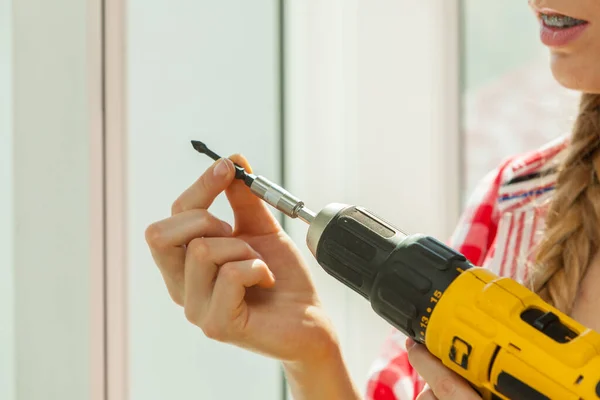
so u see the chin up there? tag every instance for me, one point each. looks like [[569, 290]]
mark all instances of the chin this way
[[575, 74]]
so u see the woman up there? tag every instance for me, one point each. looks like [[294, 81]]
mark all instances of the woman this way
[[249, 286]]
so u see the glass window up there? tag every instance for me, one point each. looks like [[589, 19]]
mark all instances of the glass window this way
[[205, 70], [512, 104]]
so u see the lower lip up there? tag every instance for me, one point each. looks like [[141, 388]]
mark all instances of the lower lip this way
[[555, 37]]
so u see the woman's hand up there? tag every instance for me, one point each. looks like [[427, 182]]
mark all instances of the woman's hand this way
[[443, 384], [247, 286]]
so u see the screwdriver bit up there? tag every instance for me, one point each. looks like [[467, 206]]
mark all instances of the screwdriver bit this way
[[240, 172]]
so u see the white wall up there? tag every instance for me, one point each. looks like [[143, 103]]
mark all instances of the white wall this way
[[372, 111], [7, 365], [204, 70], [52, 105]]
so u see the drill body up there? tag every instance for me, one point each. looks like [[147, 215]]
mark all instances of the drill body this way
[[498, 335]]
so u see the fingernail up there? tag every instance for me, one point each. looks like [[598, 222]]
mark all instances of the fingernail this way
[[228, 229], [409, 343], [222, 168]]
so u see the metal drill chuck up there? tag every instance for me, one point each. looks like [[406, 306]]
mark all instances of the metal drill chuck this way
[[281, 199]]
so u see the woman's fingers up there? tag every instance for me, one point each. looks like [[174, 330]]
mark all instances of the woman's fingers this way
[[210, 264], [203, 192], [168, 237], [226, 313], [180, 229], [252, 215], [444, 383], [232, 281]]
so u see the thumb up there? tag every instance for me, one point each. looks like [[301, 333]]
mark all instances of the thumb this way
[[252, 215]]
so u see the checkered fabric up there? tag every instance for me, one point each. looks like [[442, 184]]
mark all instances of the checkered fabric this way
[[498, 230]]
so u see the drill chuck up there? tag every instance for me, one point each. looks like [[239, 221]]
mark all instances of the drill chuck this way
[[402, 276]]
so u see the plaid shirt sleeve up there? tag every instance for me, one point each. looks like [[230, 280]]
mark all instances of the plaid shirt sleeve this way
[[391, 376]]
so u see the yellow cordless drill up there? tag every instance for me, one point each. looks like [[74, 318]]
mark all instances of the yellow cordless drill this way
[[501, 337]]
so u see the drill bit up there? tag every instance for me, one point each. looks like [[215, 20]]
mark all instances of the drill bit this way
[[271, 193], [240, 172]]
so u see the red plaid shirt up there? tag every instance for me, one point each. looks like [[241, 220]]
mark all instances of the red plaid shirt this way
[[498, 231]]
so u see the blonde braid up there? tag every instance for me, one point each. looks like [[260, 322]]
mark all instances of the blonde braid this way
[[572, 234]]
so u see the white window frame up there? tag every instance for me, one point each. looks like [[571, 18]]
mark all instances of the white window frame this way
[[115, 158]]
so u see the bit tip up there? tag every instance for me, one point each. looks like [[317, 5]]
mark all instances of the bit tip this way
[[199, 146], [240, 172]]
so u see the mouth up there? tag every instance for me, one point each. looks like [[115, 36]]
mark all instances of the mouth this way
[[559, 30], [554, 20]]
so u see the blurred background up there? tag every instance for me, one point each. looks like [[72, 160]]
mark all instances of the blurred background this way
[[399, 106]]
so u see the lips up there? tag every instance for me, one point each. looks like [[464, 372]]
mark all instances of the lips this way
[[558, 29]]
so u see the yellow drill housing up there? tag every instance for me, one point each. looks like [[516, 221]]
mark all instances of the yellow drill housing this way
[[509, 343]]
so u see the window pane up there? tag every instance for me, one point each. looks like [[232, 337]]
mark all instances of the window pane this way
[[512, 104], [204, 70]]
